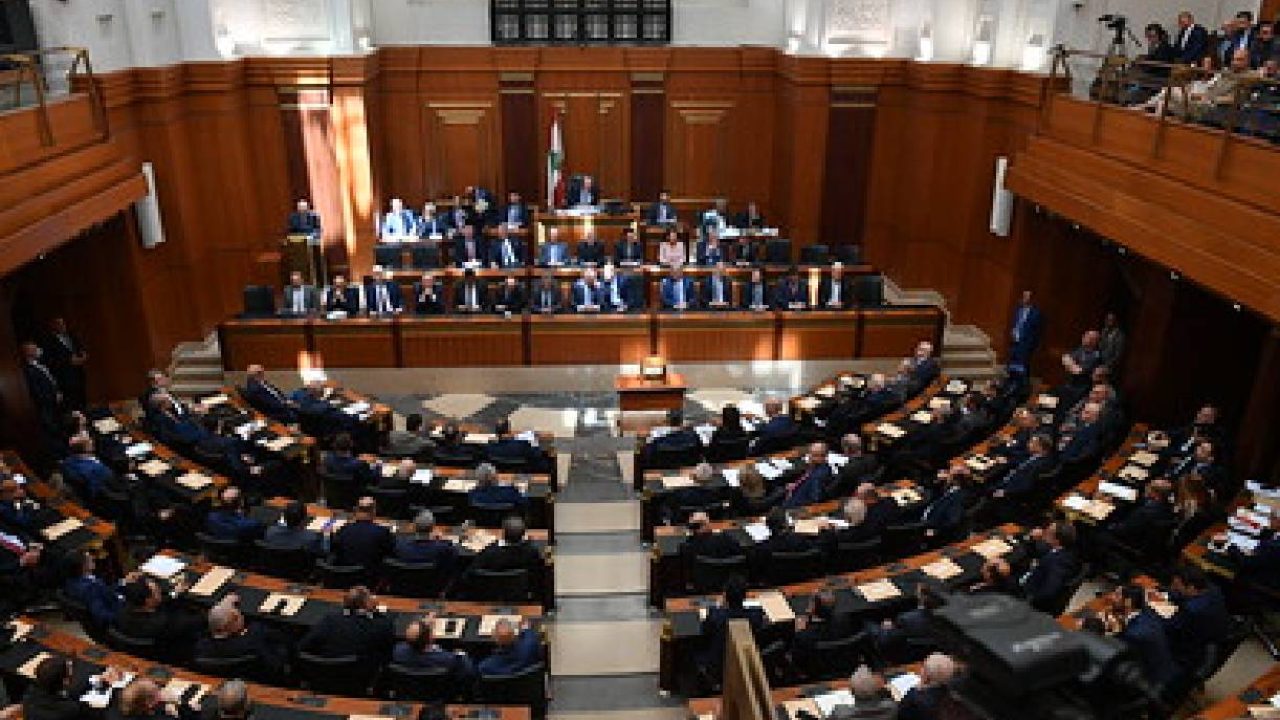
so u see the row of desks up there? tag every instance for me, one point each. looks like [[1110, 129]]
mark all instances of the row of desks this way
[[270, 703], [569, 339]]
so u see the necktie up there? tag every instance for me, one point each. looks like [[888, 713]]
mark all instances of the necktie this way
[[679, 292], [384, 300], [508, 256], [546, 298], [835, 292], [719, 294], [613, 292], [297, 300], [471, 249], [755, 298], [471, 296]]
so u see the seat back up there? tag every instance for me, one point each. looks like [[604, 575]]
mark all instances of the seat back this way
[[814, 255], [848, 254], [709, 575], [903, 540], [76, 611], [341, 576], [409, 579], [221, 550], [842, 656], [392, 502], [433, 684], [388, 256], [425, 257], [869, 289], [491, 515], [289, 563], [142, 647], [784, 568], [498, 585], [853, 556], [662, 458], [778, 252], [342, 675], [337, 491], [527, 687], [242, 666], [259, 301], [725, 450]]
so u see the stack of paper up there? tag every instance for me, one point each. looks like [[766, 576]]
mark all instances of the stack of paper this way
[[421, 476], [212, 581], [478, 438], [457, 484], [943, 569], [903, 684], [924, 417], [957, 386], [730, 477], [106, 426], [162, 566], [1144, 458], [154, 467], [1116, 490], [759, 532], [213, 400], [878, 591], [939, 402], [673, 482], [194, 481], [1133, 472], [1048, 402], [137, 450], [890, 430], [992, 548], [768, 471], [449, 627], [826, 391], [58, 529]]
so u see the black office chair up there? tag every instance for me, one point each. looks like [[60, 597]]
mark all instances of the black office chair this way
[[903, 540], [785, 568], [341, 577], [457, 458], [527, 687], [77, 612], [410, 579], [337, 491], [848, 254], [1058, 604], [869, 290], [388, 256], [511, 465], [392, 502], [725, 450], [425, 257], [709, 575], [839, 658], [815, 255], [342, 675], [498, 585], [222, 551], [259, 302], [432, 684], [244, 666], [491, 515], [777, 252], [141, 647], [661, 458], [289, 563], [851, 557]]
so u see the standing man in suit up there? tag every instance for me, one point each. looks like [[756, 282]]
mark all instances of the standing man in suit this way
[[554, 252], [383, 294], [546, 296], [362, 541], [755, 295], [398, 224], [717, 289], [507, 253], [677, 291], [1192, 41], [266, 398], [303, 220], [1024, 333], [662, 212], [628, 251], [1053, 569], [468, 250], [470, 295], [515, 213], [430, 225], [588, 293], [616, 289], [343, 297], [1239, 36], [43, 386], [299, 298], [510, 296], [792, 293], [428, 295], [584, 192], [67, 358], [836, 291]]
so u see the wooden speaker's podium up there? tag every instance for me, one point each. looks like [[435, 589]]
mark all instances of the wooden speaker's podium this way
[[746, 686], [304, 253]]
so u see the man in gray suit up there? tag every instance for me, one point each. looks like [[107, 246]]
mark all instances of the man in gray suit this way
[[299, 298]]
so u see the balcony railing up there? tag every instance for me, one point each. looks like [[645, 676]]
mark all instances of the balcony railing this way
[[23, 84]]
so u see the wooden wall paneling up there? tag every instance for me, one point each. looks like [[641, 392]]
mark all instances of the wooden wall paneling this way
[[362, 343], [464, 144], [477, 342], [818, 335], [711, 337], [353, 106], [521, 166], [1258, 455], [648, 120], [18, 418], [804, 103], [848, 164], [274, 344], [895, 332], [698, 160], [306, 122], [400, 132], [582, 340], [1270, 11]]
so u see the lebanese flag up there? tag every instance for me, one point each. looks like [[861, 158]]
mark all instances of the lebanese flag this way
[[555, 161]]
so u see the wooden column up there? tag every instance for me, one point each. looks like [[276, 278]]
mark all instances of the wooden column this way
[[648, 120], [1146, 370], [799, 155], [19, 424], [522, 167], [353, 116], [852, 122], [1258, 454]]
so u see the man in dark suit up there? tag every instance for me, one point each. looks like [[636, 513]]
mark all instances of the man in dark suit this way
[[229, 521], [515, 552], [516, 212], [423, 546], [87, 474], [266, 398], [1024, 333], [362, 541], [470, 295], [820, 624], [507, 253], [510, 296], [894, 637], [231, 637], [756, 294], [860, 526], [1192, 40], [432, 226], [1144, 632], [677, 291], [554, 252], [858, 466], [710, 252], [147, 616], [341, 461], [298, 298], [1056, 566], [715, 628], [43, 387], [717, 290], [662, 212], [922, 701], [1239, 33], [1152, 517], [1083, 444], [462, 215], [428, 295], [1023, 478], [102, 601], [419, 651], [836, 290], [292, 532], [628, 251], [583, 191], [810, 486], [676, 438], [183, 431], [491, 490], [469, 250], [546, 295], [507, 448], [924, 365], [777, 432], [749, 219], [512, 653], [943, 518], [66, 358], [1200, 621], [357, 629], [303, 220], [791, 293], [782, 539], [342, 296], [704, 541], [617, 290], [588, 293], [382, 294], [1079, 365], [54, 693], [590, 251]]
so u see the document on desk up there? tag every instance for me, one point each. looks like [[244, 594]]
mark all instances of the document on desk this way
[[457, 484], [283, 603], [905, 496], [924, 417], [809, 526], [489, 622], [903, 684], [212, 581], [759, 532], [1133, 472], [675, 482], [449, 628], [957, 386], [154, 467], [1124, 492], [194, 481], [826, 391], [730, 476], [137, 450], [768, 471], [107, 425], [943, 569], [794, 708], [162, 566], [890, 430], [214, 400], [478, 438], [992, 548], [879, 591], [58, 529], [775, 606], [1145, 458], [28, 668]]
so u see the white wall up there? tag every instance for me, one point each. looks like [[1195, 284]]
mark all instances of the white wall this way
[[728, 22], [435, 22]]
